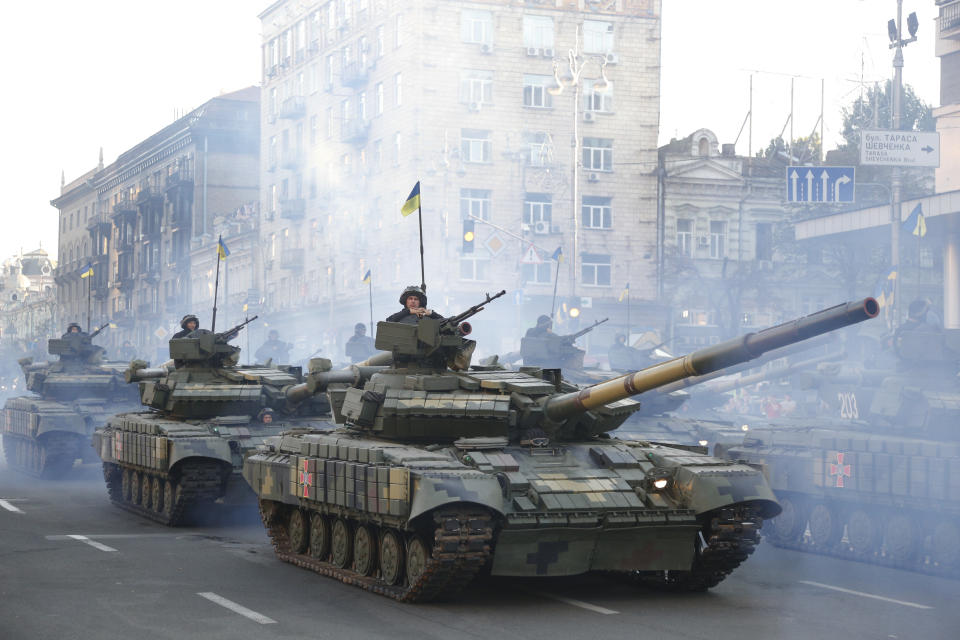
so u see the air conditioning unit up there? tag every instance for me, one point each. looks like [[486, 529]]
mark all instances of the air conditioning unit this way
[[703, 241], [548, 53], [588, 116], [593, 178], [533, 51], [475, 106], [612, 58], [486, 48], [541, 227]]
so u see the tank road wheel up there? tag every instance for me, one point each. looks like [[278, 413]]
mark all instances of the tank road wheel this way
[[319, 537], [111, 475], [900, 539], [364, 550], [391, 558], [863, 533], [125, 488], [340, 543], [10, 450], [945, 544], [146, 491], [790, 524], [135, 487], [156, 494], [36, 457], [825, 527], [418, 555], [298, 531]]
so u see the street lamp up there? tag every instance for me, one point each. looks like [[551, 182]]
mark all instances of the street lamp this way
[[576, 63]]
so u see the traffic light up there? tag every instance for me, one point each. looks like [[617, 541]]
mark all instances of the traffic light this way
[[468, 236]]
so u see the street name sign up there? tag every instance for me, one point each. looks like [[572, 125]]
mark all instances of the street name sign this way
[[900, 148], [820, 184]]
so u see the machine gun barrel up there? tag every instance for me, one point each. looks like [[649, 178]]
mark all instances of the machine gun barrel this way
[[230, 334], [573, 336], [472, 311], [713, 358], [99, 329]]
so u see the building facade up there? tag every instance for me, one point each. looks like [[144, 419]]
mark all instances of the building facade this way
[[362, 99]]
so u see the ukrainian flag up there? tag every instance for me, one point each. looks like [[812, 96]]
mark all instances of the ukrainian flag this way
[[624, 293], [883, 292], [222, 251], [557, 255], [915, 223], [413, 201], [366, 277], [87, 270]]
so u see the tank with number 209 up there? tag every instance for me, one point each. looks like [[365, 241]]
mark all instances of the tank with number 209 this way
[[441, 469]]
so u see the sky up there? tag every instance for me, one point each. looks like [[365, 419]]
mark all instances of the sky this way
[[109, 73]]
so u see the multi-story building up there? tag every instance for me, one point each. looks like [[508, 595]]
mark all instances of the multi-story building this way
[[517, 150], [27, 305], [145, 214]]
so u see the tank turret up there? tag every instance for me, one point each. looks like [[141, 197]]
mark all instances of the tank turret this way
[[442, 464]]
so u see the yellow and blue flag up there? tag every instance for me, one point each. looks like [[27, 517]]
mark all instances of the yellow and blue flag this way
[[413, 201], [87, 270], [557, 255], [915, 223], [625, 293], [222, 250], [883, 291], [366, 277]]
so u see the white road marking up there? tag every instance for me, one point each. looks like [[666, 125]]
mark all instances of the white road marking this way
[[576, 603], [92, 543], [107, 536], [866, 595], [236, 608], [9, 507]]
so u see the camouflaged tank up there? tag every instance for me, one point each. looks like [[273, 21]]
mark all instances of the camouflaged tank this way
[[205, 412], [442, 469], [46, 433], [871, 469]]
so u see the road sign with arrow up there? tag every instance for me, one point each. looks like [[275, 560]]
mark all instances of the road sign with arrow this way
[[900, 148], [820, 184]]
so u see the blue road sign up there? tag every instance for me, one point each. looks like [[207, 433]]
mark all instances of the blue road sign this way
[[820, 184]]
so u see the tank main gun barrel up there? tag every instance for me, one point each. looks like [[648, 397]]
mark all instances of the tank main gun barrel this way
[[713, 358], [136, 373], [319, 382], [722, 386]]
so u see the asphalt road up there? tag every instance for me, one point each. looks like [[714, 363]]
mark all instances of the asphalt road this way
[[73, 566]]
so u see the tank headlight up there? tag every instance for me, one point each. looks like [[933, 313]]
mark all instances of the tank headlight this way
[[703, 443], [657, 479], [661, 483], [744, 427]]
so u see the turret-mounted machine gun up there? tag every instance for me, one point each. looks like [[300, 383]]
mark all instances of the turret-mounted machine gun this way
[[552, 351]]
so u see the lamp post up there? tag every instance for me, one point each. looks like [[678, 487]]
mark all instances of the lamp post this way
[[576, 63]]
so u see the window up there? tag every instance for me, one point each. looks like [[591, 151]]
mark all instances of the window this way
[[535, 91], [377, 154], [596, 212], [537, 207], [595, 269], [313, 182], [398, 88], [273, 152], [764, 248], [396, 148], [597, 100], [598, 154], [540, 149], [331, 70], [274, 102], [476, 87], [475, 202], [597, 37], [537, 273], [379, 41], [718, 235], [399, 31], [685, 237], [475, 145], [363, 47], [314, 129], [476, 26], [329, 122], [314, 78], [538, 32], [378, 96], [362, 105], [474, 268]]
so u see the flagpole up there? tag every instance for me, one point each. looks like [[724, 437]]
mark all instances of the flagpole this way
[[88, 302], [370, 289], [556, 279], [216, 286], [423, 278], [628, 314]]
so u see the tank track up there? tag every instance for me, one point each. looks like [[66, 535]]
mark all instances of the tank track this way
[[52, 458], [461, 547], [197, 482], [725, 541]]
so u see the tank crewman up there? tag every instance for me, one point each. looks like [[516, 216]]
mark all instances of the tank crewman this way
[[414, 302], [72, 328], [917, 317], [274, 349], [543, 329], [265, 416], [360, 346], [188, 325], [127, 352], [622, 356]]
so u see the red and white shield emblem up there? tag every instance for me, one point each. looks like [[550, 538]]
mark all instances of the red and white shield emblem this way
[[839, 469]]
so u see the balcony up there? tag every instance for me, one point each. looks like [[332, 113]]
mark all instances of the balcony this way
[[123, 207], [355, 131], [948, 22], [291, 159], [146, 194], [293, 209], [293, 107], [291, 259], [354, 75], [179, 178]]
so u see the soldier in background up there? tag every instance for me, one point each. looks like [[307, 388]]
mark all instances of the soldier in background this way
[[360, 346], [188, 324], [265, 416], [274, 349], [622, 356], [72, 328], [127, 352], [543, 329], [414, 301]]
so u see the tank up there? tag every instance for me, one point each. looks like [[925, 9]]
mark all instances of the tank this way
[[44, 434], [442, 469], [184, 453], [875, 475]]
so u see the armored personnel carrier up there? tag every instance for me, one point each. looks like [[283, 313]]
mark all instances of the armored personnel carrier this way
[[204, 412], [44, 434], [876, 476], [441, 469]]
